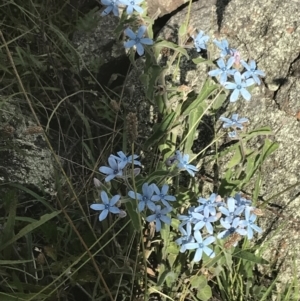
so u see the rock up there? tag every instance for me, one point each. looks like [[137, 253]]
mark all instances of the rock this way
[[269, 33], [163, 7], [25, 158]]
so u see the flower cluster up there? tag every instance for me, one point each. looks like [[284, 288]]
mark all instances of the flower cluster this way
[[117, 165], [241, 80], [235, 217], [233, 123], [136, 40]]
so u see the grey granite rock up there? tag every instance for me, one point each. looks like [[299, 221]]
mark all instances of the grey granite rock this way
[[25, 158]]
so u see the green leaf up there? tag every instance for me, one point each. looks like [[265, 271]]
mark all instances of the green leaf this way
[[167, 44], [43, 219], [198, 282], [205, 92], [161, 130], [182, 29], [239, 253], [236, 158], [205, 293], [200, 60], [218, 102], [134, 216], [156, 176]]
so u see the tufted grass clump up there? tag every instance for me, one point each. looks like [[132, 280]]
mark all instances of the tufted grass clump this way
[[133, 216]]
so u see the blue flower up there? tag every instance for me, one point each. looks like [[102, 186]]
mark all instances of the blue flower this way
[[187, 219], [123, 160], [160, 216], [252, 72], [231, 228], [208, 206], [107, 206], [201, 246], [137, 39], [204, 220], [113, 171], [183, 163], [132, 5], [185, 238], [225, 50], [234, 122], [242, 202], [232, 210], [200, 41], [224, 70], [161, 195], [239, 87], [249, 223], [112, 5], [145, 198]]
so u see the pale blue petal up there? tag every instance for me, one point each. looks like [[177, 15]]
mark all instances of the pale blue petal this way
[[141, 31], [97, 206], [114, 200], [141, 206], [109, 178], [221, 63], [209, 240], [224, 210], [209, 228], [191, 245], [256, 228], [103, 215], [234, 95], [157, 225], [107, 11], [238, 78], [229, 85], [209, 252], [215, 72], [134, 195], [198, 236], [106, 170], [129, 44], [246, 95], [151, 218], [199, 225], [129, 9], [130, 34], [151, 205], [249, 233], [198, 255], [166, 219], [231, 204], [104, 197], [114, 210]]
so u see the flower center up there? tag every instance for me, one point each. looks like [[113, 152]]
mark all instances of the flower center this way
[[158, 215], [231, 230], [137, 40], [205, 219], [239, 87], [145, 199], [106, 206], [116, 171], [201, 245], [223, 69]]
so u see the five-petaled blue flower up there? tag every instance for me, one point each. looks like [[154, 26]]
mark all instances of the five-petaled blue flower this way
[[234, 122], [208, 206], [201, 246], [161, 195], [185, 238], [204, 220], [123, 160], [107, 206], [231, 211], [113, 171], [249, 223], [231, 228], [225, 50], [183, 163], [224, 69], [251, 71], [160, 216], [137, 39], [132, 5], [239, 87], [145, 198], [187, 219], [112, 5], [200, 41], [242, 202]]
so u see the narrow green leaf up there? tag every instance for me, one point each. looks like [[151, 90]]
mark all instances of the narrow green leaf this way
[[236, 158], [182, 29], [134, 216], [239, 253], [161, 130], [43, 219], [205, 92]]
